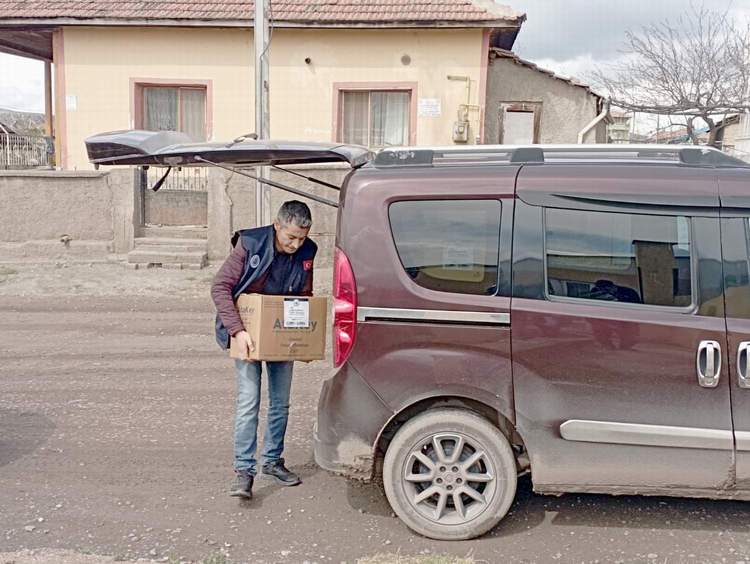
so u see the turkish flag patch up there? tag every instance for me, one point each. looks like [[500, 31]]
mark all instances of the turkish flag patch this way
[[307, 264]]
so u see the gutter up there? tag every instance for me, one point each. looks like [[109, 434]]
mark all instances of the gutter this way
[[594, 122], [248, 23]]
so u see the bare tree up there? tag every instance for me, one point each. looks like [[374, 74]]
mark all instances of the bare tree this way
[[696, 66]]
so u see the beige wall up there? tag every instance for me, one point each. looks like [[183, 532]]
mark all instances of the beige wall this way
[[100, 63], [302, 95]]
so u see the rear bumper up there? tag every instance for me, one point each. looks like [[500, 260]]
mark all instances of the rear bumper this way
[[350, 418]]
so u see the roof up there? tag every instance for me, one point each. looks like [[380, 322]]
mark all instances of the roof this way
[[472, 13], [5, 129], [729, 120], [503, 54]]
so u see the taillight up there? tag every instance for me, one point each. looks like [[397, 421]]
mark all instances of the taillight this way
[[344, 308]]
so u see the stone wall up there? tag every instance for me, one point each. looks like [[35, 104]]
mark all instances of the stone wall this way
[[566, 109], [231, 206], [59, 215], [176, 207], [90, 216]]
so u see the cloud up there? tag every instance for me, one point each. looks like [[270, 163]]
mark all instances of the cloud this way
[[579, 67], [564, 30], [21, 83]]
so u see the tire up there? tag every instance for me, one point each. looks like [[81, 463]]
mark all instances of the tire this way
[[432, 492]]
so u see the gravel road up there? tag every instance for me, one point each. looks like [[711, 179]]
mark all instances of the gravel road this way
[[115, 444]]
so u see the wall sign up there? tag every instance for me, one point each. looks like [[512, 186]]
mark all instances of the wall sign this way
[[429, 107]]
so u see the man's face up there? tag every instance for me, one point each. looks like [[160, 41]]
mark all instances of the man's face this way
[[289, 237]]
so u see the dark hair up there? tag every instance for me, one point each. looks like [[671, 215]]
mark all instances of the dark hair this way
[[295, 212]]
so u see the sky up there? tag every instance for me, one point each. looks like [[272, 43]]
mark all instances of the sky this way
[[570, 37], [574, 37]]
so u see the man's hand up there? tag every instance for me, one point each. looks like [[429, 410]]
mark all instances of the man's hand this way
[[245, 343]]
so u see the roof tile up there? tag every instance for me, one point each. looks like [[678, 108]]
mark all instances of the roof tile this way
[[297, 11]]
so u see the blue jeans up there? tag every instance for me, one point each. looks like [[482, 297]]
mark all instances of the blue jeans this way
[[248, 402]]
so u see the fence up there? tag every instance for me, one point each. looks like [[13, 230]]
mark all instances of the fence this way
[[188, 179], [25, 151]]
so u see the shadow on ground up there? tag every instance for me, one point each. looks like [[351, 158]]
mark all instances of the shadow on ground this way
[[21, 433], [590, 510]]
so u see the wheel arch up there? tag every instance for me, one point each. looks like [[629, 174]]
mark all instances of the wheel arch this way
[[488, 412]]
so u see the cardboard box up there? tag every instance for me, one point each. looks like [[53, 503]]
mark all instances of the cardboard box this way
[[283, 327]]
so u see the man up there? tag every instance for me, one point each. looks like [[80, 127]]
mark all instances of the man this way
[[275, 259]]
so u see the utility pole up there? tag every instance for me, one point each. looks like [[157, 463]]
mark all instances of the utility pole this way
[[262, 105]]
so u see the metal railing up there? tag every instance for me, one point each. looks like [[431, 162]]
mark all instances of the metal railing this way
[[25, 151], [190, 179]]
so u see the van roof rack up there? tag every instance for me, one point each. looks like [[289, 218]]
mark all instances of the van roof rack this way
[[537, 154]]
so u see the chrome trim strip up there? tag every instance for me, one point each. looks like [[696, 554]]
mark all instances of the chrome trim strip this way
[[742, 441], [647, 435], [397, 314]]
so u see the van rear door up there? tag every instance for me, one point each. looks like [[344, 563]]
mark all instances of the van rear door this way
[[172, 148]]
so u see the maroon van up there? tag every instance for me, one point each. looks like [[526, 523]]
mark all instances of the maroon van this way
[[581, 313]]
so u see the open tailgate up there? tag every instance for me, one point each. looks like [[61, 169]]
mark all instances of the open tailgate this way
[[171, 148]]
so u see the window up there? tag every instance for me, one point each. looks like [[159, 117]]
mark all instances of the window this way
[[641, 259], [736, 251], [172, 108], [449, 245], [374, 118]]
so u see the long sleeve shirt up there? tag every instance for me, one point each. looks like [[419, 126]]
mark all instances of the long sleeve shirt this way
[[270, 282]]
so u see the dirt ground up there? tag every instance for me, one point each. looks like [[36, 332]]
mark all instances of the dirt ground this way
[[115, 445]]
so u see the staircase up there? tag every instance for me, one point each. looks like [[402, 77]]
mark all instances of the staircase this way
[[179, 247]]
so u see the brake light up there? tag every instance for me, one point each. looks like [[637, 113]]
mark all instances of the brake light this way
[[344, 308]]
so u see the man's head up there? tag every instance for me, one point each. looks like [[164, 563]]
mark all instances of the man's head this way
[[292, 226]]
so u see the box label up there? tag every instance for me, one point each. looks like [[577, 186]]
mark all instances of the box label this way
[[296, 313]]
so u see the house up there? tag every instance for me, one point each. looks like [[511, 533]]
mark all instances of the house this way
[[618, 130], [728, 132], [527, 104], [677, 134], [373, 72], [742, 139]]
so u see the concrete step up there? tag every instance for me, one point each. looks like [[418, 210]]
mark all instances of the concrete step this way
[[175, 231], [138, 256], [170, 245]]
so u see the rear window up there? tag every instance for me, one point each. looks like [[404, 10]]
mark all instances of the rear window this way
[[449, 245], [619, 257]]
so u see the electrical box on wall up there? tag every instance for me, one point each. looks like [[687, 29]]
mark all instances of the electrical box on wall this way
[[461, 132]]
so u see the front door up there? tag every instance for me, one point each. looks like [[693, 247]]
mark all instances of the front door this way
[[618, 330], [735, 232]]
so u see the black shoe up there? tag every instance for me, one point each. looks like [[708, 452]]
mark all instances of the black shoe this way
[[242, 485], [281, 473]]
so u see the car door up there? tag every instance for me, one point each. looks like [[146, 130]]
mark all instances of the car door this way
[[618, 331], [735, 232]]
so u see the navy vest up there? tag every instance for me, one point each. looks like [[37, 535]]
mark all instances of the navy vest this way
[[259, 246]]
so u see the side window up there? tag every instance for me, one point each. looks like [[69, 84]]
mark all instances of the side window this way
[[620, 257], [449, 245], [736, 249]]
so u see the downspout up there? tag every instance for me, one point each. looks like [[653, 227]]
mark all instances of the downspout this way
[[594, 122]]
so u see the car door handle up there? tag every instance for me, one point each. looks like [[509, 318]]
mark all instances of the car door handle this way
[[708, 363], [742, 360]]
